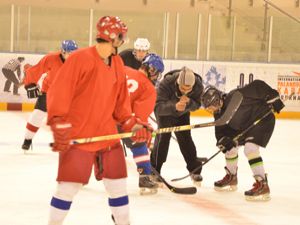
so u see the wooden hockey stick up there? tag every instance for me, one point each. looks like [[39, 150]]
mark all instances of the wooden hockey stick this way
[[154, 120], [235, 139], [202, 159], [227, 115]]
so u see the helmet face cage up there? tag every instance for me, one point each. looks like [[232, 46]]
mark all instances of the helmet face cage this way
[[153, 64], [152, 71], [111, 28], [211, 97], [68, 46]]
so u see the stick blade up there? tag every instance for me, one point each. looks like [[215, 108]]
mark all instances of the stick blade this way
[[184, 191], [232, 107], [176, 190]]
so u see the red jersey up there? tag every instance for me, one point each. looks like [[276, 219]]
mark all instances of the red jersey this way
[[91, 95], [44, 71], [142, 93]]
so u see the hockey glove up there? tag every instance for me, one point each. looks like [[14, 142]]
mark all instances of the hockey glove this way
[[61, 134], [142, 131], [226, 144], [277, 105], [33, 90]]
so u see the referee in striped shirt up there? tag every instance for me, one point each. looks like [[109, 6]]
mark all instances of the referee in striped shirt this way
[[9, 70]]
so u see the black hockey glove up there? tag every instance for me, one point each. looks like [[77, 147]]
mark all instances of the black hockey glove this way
[[277, 105], [33, 90], [226, 144]]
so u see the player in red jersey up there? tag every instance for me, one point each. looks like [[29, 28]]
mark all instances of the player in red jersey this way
[[87, 98], [142, 97], [37, 80]]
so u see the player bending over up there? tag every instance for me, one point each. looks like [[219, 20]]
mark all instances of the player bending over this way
[[258, 99]]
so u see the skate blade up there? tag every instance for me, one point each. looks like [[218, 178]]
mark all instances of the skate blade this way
[[148, 191], [258, 198], [160, 184], [197, 183], [230, 188], [25, 151]]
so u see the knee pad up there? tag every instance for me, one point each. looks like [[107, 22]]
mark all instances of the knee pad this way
[[251, 150], [67, 190], [115, 187], [232, 153], [37, 117]]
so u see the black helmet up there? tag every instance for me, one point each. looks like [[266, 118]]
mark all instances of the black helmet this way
[[211, 97]]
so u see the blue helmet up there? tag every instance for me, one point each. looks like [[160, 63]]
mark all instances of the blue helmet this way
[[155, 61], [69, 46]]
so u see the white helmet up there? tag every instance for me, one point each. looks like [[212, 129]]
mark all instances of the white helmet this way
[[141, 44]]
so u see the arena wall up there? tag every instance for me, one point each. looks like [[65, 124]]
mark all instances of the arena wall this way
[[224, 75]]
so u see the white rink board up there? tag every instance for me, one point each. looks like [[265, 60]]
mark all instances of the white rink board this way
[[224, 75]]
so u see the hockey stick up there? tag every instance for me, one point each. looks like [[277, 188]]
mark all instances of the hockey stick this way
[[227, 115], [177, 190], [202, 159], [154, 120], [235, 139]]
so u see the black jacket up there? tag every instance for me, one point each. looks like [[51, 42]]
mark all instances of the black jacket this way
[[129, 59], [168, 95], [253, 107]]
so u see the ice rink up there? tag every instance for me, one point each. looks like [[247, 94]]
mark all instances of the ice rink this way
[[28, 182]]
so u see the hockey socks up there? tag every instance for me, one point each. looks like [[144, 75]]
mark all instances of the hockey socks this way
[[61, 201], [118, 199], [142, 159], [255, 161], [34, 123], [232, 160]]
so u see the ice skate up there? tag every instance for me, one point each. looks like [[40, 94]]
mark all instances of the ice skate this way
[[27, 144], [157, 180], [260, 190], [147, 186], [197, 179], [228, 183]]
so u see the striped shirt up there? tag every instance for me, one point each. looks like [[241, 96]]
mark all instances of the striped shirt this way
[[13, 65]]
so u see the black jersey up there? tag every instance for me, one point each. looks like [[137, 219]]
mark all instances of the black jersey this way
[[129, 59], [253, 107]]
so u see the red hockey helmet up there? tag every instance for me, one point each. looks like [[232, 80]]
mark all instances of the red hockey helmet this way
[[110, 28]]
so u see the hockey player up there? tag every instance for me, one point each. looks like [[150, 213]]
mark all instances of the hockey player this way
[[178, 94], [37, 80], [87, 98], [134, 57], [8, 70], [142, 96], [258, 99]]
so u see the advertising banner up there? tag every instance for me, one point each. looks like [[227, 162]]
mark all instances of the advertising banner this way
[[10, 81], [230, 75]]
